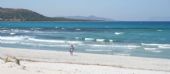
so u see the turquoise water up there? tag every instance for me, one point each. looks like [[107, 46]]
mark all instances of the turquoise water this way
[[143, 39]]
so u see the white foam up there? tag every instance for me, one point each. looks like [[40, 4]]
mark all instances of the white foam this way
[[49, 45], [15, 30], [100, 40], [16, 38], [150, 49], [149, 44], [165, 46], [94, 50], [74, 42], [117, 46], [9, 42], [4, 30], [25, 31], [12, 33], [55, 41], [156, 50], [161, 46], [97, 45], [89, 39], [118, 33], [127, 46], [110, 40], [43, 40], [132, 46]]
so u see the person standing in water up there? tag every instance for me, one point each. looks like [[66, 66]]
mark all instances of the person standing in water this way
[[71, 49]]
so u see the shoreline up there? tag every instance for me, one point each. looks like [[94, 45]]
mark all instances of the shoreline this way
[[51, 62], [87, 59]]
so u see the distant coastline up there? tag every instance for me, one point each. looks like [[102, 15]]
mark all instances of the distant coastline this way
[[10, 14], [22, 15]]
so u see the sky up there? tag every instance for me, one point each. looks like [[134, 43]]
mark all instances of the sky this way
[[113, 9]]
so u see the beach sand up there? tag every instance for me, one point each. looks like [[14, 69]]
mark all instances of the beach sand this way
[[56, 62]]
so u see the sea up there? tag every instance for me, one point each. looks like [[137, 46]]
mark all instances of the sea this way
[[141, 39]]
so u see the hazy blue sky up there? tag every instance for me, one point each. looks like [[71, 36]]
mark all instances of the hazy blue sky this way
[[115, 9]]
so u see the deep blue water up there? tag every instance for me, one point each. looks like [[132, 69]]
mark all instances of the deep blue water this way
[[111, 25], [144, 39]]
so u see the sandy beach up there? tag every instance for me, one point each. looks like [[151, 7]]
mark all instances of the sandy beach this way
[[56, 62]]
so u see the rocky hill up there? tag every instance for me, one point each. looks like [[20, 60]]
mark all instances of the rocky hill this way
[[10, 14]]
